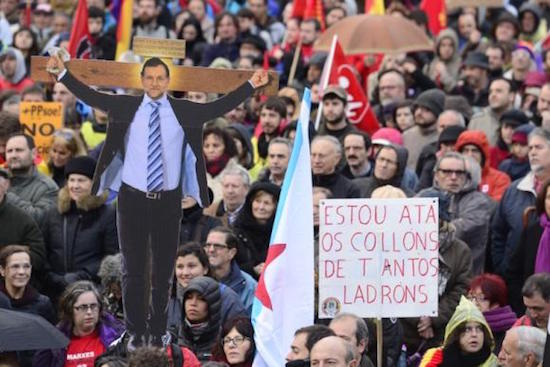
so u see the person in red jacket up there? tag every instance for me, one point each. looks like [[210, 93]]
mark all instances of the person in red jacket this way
[[474, 143]]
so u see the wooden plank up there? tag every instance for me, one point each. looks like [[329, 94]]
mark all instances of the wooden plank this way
[[113, 74], [450, 4], [164, 48]]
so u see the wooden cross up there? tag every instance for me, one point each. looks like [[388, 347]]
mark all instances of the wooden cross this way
[[112, 74]]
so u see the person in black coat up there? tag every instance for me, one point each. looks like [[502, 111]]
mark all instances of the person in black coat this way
[[194, 224], [201, 316], [522, 261], [389, 168], [80, 231], [253, 226]]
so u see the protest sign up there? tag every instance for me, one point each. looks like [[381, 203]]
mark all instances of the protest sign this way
[[40, 120], [378, 257]]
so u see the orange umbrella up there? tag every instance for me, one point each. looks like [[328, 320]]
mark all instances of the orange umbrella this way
[[366, 33]]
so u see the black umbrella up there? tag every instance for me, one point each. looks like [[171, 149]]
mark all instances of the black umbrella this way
[[25, 331]]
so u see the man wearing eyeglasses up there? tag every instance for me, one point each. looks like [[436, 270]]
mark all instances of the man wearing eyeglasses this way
[[470, 209], [221, 249]]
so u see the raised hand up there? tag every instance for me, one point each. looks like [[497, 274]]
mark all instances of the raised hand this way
[[259, 79], [55, 65]]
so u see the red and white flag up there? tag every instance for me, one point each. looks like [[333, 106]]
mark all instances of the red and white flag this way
[[359, 111]]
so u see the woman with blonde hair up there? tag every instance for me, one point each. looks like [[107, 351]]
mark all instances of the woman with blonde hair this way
[[66, 144]]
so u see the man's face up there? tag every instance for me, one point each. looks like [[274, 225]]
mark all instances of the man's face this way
[[308, 32], [466, 25], [354, 150], [95, 25], [538, 309], [510, 355], [155, 80], [500, 96], [8, 6], [324, 157], [505, 32], [445, 120], [391, 88], [474, 75], [227, 30], [196, 7], [328, 352], [258, 7], [270, 121], [335, 15], [471, 150], [539, 154], [63, 95], [42, 20], [147, 11], [543, 104], [317, 197], [236, 115], [278, 155], [298, 348], [60, 24], [218, 256], [386, 163], [496, 58], [346, 329], [451, 175], [423, 116], [19, 157], [334, 110], [9, 66], [521, 60], [234, 191], [33, 97], [17, 272]]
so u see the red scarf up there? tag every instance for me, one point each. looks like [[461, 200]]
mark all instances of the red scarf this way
[[216, 166]]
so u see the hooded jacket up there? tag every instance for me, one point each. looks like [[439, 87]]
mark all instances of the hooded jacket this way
[[465, 312], [493, 182], [540, 27], [254, 236], [200, 341], [368, 184], [448, 79], [78, 235], [17, 82]]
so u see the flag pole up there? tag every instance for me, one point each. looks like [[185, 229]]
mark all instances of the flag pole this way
[[379, 341], [325, 75], [295, 59]]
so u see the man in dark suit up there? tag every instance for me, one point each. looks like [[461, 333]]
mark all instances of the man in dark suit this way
[[152, 157]]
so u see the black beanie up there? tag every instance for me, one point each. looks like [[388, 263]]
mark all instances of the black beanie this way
[[450, 134], [81, 165], [432, 99]]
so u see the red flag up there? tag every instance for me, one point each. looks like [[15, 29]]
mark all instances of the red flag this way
[[359, 111], [79, 43], [28, 11], [298, 8], [314, 9], [437, 15]]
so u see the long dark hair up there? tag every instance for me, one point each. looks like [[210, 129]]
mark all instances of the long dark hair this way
[[243, 325]]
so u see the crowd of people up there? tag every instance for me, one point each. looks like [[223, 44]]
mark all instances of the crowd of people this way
[[467, 123]]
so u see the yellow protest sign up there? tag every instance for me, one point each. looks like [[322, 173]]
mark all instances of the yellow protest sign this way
[[40, 120]]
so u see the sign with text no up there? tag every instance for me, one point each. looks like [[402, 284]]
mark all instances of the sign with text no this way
[[378, 257], [40, 120]]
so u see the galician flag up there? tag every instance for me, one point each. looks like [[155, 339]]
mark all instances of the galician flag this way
[[284, 297]]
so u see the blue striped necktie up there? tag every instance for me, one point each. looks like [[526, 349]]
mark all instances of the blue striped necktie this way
[[154, 151]]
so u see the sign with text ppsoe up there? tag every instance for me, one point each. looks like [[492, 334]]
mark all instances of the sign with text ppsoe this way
[[378, 257]]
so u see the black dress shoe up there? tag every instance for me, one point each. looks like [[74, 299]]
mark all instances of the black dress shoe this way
[[135, 342]]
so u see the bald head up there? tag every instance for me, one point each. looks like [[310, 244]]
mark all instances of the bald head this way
[[332, 351]]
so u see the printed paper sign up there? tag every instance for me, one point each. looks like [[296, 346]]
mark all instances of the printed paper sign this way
[[40, 120]]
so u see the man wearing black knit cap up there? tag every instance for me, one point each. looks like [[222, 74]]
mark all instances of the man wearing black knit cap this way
[[427, 108]]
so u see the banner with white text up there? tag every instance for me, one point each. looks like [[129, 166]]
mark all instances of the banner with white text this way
[[378, 257]]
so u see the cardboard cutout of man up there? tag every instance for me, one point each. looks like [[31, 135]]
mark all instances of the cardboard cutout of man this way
[[152, 157]]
